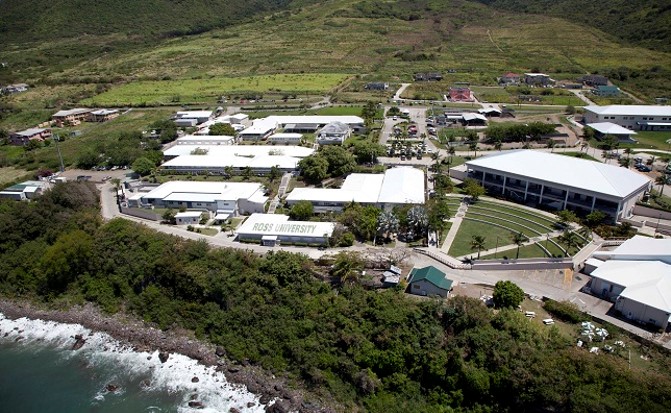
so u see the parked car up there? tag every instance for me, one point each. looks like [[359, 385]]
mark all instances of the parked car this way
[[643, 168]]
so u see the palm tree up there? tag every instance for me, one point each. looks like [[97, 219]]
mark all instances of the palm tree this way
[[519, 239], [569, 239], [498, 145], [627, 151], [418, 220], [662, 180], [478, 243], [247, 172], [347, 267], [387, 223], [551, 144], [228, 170], [474, 147], [584, 146]]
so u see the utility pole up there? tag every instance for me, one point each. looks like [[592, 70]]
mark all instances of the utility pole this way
[[58, 149]]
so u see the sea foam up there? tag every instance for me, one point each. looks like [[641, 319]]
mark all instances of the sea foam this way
[[101, 351]]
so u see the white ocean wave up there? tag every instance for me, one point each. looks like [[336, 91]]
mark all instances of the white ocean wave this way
[[102, 351]]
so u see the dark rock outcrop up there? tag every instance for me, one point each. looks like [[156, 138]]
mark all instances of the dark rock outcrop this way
[[163, 356]]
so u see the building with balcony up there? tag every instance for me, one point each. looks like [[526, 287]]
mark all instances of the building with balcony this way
[[558, 182]]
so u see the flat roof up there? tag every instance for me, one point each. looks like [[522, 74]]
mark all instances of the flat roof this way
[[286, 136], [473, 116], [629, 110], [69, 112], [403, 185], [317, 119], [260, 127], [30, 132], [400, 185], [647, 282], [279, 225], [204, 191], [242, 150], [640, 248], [610, 128], [205, 138], [564, 170], [232, 160], [193, 114], [189, 214]]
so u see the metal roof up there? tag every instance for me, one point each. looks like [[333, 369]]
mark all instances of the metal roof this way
[[610, 128], [432, 275], [640, 248], [564, 170], [647, 282], [630, 110]]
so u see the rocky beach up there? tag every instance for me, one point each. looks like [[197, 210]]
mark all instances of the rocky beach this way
[[274, 395]]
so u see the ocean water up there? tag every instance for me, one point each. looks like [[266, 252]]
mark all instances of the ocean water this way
[[42, 374]]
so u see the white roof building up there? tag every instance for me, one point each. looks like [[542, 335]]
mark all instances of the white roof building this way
[[285, 137], [71, 112], [641, 289], [240, 150], [559, 181], [260, 129], [226, 197], [639, 248], [194, 114], [271, 229], [609, 128], [397, 186], [317, 119], [205, 140], [634, 117], [218, 163]]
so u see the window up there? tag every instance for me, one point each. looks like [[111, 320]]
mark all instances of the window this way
[[415, 286]]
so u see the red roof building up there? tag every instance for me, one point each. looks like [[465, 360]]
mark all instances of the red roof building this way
[[461, 94]]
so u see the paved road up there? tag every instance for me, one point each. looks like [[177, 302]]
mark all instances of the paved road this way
[[581, 96], [400, 91]]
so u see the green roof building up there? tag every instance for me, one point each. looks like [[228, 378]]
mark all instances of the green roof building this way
[[429, 281]]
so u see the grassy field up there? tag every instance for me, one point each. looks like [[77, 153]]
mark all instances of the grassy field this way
[[462, 243], [163, 92], [9, 175]]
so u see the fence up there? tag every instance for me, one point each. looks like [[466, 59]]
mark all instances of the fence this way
[[444, 259], [140, 213], [524, 264]]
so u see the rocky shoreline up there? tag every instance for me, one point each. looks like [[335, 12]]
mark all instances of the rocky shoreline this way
[[273, 391]]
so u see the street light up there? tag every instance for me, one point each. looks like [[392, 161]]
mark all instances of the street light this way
[[496, 250]]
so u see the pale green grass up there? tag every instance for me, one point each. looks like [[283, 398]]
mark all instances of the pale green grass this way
[[163, 92]]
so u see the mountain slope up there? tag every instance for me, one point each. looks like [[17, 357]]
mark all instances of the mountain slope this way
[[22, 20], [643, 22]]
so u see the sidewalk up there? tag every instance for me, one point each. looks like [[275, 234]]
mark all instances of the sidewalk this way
[[456, 223]]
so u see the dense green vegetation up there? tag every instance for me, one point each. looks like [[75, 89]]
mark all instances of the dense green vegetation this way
[[645, 22], [372, 351]]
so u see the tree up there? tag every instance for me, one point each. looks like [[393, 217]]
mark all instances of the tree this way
[[473, 189], [143, 166], [519, 239], [387, 224], [274, 173], [507, 295], [498, 145], [594, 219], [340, 161], [570, 239], [566, 217], [570, 110], [314, 168], [473, 145], [228, 171], [169, 216], [247, 172], [662, 180], [624, 162], [301, 211], [168, 130], [478, 243], [551, 144], [67, 259], [367, 151], [418, 221], [347, 267], [222, 129]]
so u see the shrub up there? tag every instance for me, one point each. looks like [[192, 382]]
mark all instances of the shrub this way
[[565, 311]]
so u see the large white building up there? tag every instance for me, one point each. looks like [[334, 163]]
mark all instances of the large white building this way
[[272, 229], [634, 117], [208, 159], [205, 140], [636, 276], [222, 198], [192, 117], [397, 186], [263, 128], [559, 182]]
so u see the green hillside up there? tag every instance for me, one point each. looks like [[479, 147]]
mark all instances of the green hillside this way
[[643, 22], [22, 20]]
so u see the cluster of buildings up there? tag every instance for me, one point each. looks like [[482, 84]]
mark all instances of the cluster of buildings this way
[[529, 79], [636, 277], [13, 88], [62, 118], [558, 182], [328, 129], [24, 191], [396, 186]]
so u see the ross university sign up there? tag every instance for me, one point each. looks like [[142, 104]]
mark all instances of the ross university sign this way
[[287, 228]]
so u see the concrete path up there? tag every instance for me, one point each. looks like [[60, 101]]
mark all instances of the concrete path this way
[[400, 91], [456, 223], [280, 193]]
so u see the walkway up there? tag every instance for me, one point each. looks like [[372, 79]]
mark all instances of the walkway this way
[[400, 91], [280, 193], [456, 223]]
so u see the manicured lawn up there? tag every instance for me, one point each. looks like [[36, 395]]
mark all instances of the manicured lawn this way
[[208, 231], [462, 243], [504, 215], [542, 219], [162, 92]]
